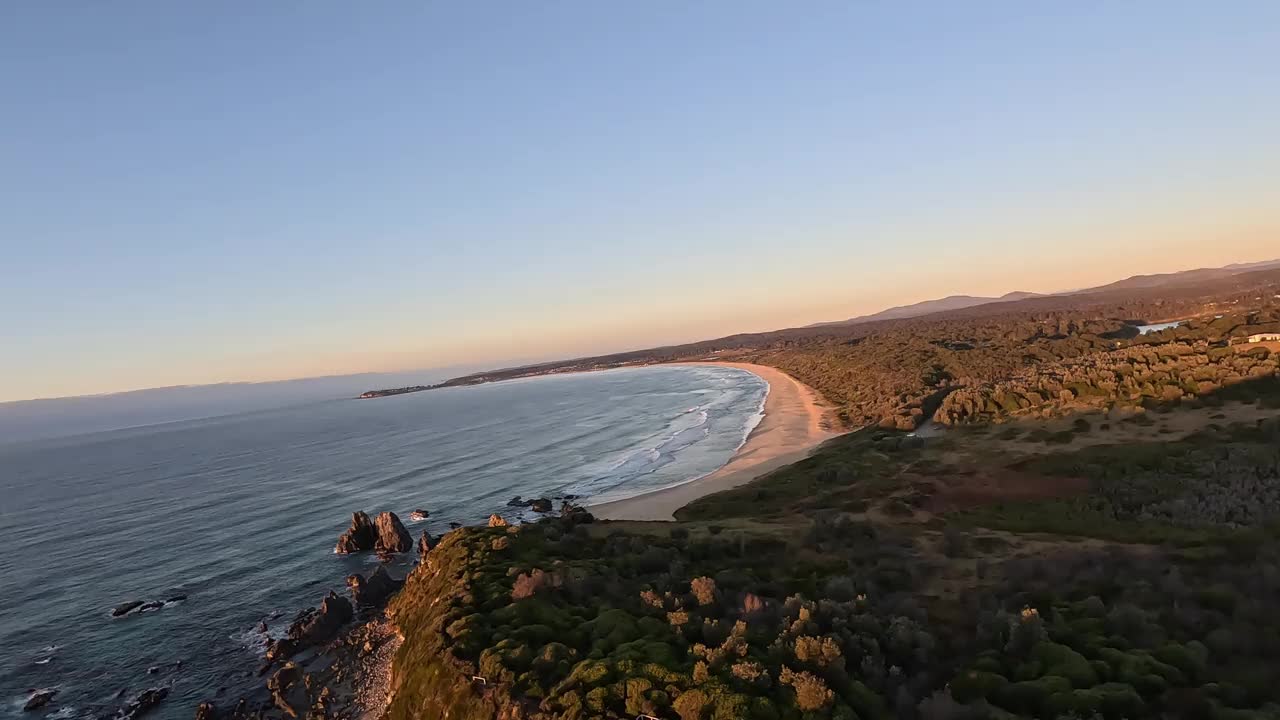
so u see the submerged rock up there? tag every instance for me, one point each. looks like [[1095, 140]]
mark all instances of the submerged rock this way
[[375, 590], [392, 537], [126, 608], [360, 536], [39, 699], [143, 703]]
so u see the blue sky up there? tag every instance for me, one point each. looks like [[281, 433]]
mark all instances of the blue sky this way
[[246, 191]]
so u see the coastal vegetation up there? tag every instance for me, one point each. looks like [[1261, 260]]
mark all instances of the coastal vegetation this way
[[1094, 533], [1042, 355], [886, 576]]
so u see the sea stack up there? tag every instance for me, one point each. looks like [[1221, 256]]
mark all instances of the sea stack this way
[[392, 536], [360, 536]]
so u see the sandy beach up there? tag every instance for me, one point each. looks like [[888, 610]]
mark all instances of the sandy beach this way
[[795, 422]]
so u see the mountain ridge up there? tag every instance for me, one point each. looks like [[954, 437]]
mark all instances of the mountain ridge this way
[[1133, 282]]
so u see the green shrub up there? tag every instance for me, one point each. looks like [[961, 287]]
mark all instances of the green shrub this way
[[976, 685], [1062, 661]]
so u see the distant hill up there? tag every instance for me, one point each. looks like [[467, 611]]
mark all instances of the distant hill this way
[[1184, 277], [928, 307], [1136, 282], [1264, 265]]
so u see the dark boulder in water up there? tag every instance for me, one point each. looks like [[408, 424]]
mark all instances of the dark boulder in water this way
[[419, 515], [542, 505], [152, 605], [375, 590], [126, 608], [39, 699], [516, 502], [392, 535], [360, 536], [143, 703], [206, 711], [176, 598]]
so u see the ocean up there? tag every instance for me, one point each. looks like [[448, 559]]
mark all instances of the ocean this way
[[240, 513]]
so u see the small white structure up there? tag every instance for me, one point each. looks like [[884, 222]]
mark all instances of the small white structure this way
[[1264, 337]]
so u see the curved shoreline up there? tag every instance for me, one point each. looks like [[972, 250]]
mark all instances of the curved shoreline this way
[[794, 424]]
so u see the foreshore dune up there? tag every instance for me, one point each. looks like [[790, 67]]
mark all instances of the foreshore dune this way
[[795, 422]]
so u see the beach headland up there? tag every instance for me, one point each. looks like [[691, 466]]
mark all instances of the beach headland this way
[[796, 420]]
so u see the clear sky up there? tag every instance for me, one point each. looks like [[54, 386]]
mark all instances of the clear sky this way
[[199, 192]]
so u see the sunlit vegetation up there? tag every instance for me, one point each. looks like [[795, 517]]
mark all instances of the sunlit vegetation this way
[[1095, 534]]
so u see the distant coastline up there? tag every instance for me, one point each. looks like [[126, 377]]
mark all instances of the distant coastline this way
[[562, 368], [394, 391]]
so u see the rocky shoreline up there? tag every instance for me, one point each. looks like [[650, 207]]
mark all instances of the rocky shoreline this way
[[323, 666], [334, 662]]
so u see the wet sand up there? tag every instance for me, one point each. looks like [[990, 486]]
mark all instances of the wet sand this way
[[795, 422]]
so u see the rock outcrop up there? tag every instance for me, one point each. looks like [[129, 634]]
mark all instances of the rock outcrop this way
[[496, 520], [39, 699], [392, 537], [426, 544], [278, 650], [375, 590], [575, 514], [359, 537], [317, 626], [288, 691], [542, 505], [126, 608]]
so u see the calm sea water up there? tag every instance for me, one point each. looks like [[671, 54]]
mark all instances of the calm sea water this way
[[240, 513]]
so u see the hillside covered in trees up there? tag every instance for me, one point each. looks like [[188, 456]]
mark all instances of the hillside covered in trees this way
[[887, 576], [1005, 356], [1094, 533]]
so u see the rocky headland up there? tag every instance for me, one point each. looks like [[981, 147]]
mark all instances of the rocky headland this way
[[335, 659]]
